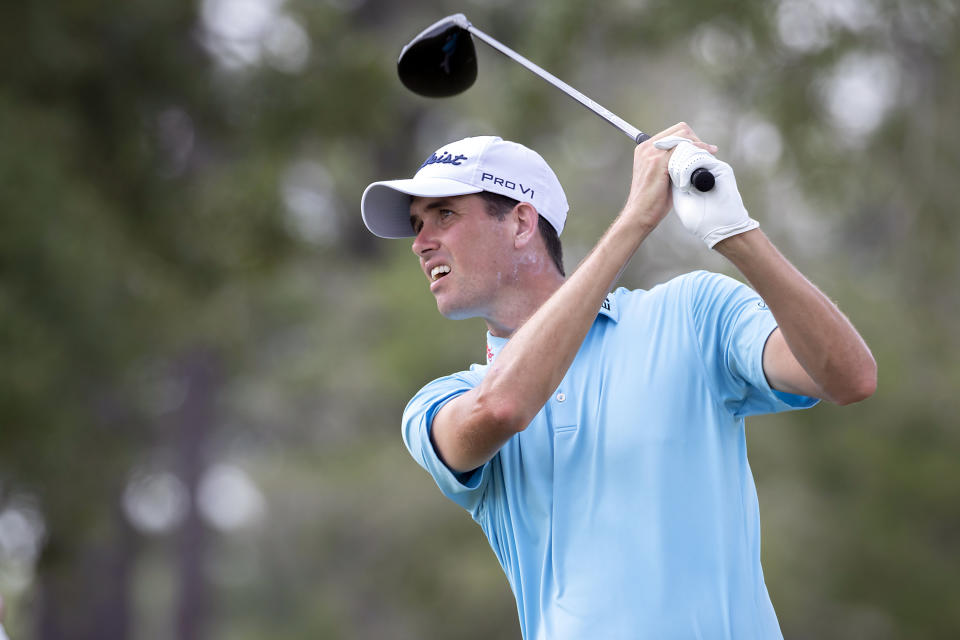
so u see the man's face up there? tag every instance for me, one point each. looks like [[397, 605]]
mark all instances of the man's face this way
[[464, 252]]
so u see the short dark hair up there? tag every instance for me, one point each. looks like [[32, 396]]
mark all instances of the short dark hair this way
[[499, 206]]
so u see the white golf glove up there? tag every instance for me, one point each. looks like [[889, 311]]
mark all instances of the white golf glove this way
[[716, 214]]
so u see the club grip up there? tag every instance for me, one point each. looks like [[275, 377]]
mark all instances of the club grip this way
[[701, 179]]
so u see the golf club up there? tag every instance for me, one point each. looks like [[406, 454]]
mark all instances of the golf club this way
[[441, 62]]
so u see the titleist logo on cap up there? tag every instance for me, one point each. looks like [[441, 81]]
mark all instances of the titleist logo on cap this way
[[444, 158]]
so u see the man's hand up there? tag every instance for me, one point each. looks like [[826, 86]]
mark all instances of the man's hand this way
[[712, 216], [650, 194]]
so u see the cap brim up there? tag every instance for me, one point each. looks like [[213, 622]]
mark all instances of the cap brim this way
[[385, 205]]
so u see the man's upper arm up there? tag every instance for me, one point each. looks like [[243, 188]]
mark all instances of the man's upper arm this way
[[739, 338], [419, 421], [783, 371]]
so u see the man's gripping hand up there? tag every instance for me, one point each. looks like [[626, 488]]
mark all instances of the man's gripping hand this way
[[712, 216]]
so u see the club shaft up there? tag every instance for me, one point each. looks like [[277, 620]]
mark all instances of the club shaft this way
[[632, 132]]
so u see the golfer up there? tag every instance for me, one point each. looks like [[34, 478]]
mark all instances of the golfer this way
[[601, 446]]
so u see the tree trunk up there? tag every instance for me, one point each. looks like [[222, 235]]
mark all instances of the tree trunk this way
[[200, 374]]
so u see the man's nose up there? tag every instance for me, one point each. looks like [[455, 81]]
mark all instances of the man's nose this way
[[424, 241]]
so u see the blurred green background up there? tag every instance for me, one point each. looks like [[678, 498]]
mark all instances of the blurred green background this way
[[205, 355]]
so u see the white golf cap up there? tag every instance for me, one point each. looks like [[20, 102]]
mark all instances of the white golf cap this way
[[471, 165]]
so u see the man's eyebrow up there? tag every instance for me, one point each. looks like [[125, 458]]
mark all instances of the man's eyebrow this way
[[438, 204]]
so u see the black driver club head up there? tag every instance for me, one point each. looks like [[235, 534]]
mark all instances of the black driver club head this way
[[441, 61]]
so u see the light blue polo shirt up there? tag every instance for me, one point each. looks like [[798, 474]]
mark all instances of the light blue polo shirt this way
[[627, 508]]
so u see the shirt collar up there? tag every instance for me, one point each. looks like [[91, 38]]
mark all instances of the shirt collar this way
[[607, 308]]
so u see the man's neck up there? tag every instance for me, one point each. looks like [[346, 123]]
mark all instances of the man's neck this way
[[516, 306]]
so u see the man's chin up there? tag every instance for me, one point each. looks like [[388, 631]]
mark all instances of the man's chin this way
[[454, 312]]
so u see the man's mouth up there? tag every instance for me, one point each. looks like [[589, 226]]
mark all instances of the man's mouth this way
[[438, 272]]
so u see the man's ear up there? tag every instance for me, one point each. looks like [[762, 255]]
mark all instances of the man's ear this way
[[527, 223]]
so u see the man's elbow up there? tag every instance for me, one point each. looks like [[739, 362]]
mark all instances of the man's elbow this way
[[500, 415], [859, 386], [503, 407]]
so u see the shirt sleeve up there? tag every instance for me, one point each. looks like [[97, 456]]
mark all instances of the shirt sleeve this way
[[733, 324], [465, 489]]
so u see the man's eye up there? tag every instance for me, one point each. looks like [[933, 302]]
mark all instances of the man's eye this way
[[445, 213]]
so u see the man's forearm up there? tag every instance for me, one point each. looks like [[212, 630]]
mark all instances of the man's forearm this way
[[533, 363], [470, 429], [820, 337]]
